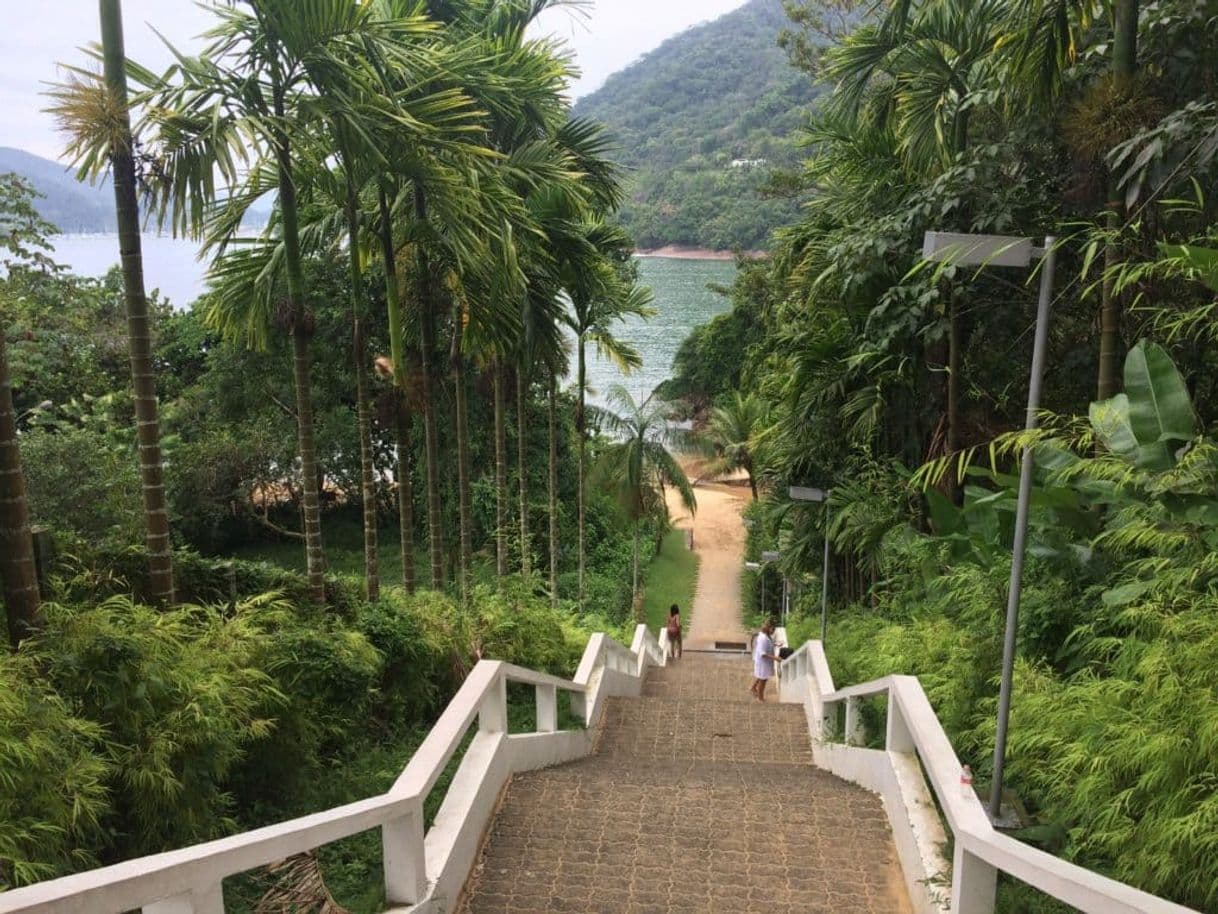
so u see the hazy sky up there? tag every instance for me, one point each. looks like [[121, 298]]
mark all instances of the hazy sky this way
[[607, 36]]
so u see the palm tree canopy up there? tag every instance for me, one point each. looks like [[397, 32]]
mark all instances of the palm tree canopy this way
[[640, 463]]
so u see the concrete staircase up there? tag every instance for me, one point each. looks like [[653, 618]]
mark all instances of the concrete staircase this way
[[696, 799]]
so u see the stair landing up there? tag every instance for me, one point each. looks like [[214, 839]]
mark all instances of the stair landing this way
[[696, 799]]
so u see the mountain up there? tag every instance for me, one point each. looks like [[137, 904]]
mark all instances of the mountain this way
[[701, 120], [66, 203]]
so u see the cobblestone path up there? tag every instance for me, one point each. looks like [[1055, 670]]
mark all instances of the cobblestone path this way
[[697, 799]]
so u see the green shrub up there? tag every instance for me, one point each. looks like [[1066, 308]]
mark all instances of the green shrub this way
[[180, 694], [68, 467], [53, 772]]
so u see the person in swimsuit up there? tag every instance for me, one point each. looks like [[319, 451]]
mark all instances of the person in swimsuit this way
[[674, 630], [764, 658]]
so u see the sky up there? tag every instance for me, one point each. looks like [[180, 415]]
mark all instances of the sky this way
[[606, 36]]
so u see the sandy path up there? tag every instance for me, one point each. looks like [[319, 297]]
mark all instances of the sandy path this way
[[719, 541]]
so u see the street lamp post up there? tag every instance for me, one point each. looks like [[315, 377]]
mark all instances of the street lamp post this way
[[811, 494], [999, 250]]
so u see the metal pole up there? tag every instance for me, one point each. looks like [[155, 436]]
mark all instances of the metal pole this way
[[824, 586], [763, 615], [1047, 266]]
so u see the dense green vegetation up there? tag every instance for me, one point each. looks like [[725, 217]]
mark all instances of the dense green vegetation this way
[[901, 387], [671, 577], [285, 522], [716, 94]]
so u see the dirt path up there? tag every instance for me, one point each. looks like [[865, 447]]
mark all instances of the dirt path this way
[[719, 542]]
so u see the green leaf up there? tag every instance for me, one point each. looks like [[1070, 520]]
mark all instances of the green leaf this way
[[1110, 419], [944, 516], [1159, 405], [1203, 260], [1126, 593]]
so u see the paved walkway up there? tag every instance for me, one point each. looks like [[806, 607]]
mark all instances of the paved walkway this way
[[719, 542], [697, 799]]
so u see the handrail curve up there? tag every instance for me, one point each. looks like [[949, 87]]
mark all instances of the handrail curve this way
[[980, 850], [418, 869]]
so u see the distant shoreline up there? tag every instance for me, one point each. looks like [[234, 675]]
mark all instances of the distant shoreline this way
[[681, 252]]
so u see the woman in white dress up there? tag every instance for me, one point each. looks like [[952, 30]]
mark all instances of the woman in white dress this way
[[764, 658]]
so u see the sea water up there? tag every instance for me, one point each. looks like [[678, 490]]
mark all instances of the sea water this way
[[682, 299]]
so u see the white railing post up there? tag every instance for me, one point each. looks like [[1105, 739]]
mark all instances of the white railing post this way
[[897, 737], [974, 883], [547, 709], [854, 736], [492, 714], [405, 862], [206, 901]]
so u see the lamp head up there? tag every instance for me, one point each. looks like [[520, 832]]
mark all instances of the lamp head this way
[[806, 493], [977, 250]]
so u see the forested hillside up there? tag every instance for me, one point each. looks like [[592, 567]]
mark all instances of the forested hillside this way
[[694, 118], [65, 202]]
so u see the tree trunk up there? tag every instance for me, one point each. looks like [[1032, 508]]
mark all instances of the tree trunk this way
[[431, 435], [1124, 68], [525, 557], [553, 404], [397, 352], [301, 361], [18, 574], [405, 492], [464, 506], [501, 510], [634, 587], [139, 326], [954, 343], [580, 425], [372, 575]]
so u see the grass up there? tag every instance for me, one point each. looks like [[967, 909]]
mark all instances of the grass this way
[[343, 539], [670, 578]]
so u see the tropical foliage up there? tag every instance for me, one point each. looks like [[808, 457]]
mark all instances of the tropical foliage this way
[[901, 388], [438, 220]]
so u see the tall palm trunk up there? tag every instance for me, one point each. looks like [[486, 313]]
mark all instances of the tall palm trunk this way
[[401, 415], [525, 557], [501, 511], [315, 560], [954, 343], [139, 325], [372, 576], [401, 423], [580, 424], [431, 432], [465, 509], [17, 572], [634, 587], [1124, 68], [553, 405]]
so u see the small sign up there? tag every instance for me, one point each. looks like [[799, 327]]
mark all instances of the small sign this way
[[806, 493], [769, 556]]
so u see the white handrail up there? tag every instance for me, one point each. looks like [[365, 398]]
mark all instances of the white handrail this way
[[188, 881], [980, 850]]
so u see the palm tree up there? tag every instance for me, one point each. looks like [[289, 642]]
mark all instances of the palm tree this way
[[600, 298], [733, 431], [920, 70], [639, 465], [98, 121], [1047, 35], [17, 571], [256, 85], [401, 413]]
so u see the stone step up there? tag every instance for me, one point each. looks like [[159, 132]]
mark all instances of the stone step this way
[[683, 731], [696, 799], [722, 677], [714, 837]]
